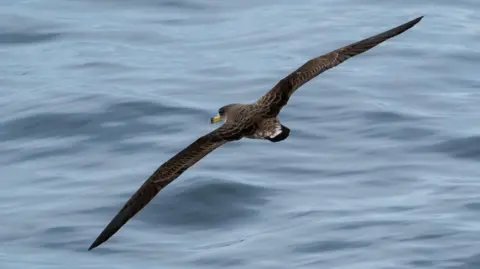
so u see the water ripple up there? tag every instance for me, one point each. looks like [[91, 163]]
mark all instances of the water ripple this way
[[23, 38]]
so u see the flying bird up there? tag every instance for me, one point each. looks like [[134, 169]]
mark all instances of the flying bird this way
[[255, 121]]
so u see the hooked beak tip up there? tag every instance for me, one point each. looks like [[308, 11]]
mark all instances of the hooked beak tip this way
[[215, 119]]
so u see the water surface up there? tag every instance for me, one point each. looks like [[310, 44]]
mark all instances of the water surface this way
[[380, 169]]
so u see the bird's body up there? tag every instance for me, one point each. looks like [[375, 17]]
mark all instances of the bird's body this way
[[255, 121]]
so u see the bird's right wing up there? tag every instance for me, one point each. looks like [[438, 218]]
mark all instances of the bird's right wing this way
[[278, 96], [165, 174]]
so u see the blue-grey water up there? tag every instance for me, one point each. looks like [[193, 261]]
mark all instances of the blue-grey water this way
[[380, 169]]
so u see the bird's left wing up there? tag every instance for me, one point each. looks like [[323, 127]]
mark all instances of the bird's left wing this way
[[165, 174], [278, 96]]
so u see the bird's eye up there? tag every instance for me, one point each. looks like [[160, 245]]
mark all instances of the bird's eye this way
[[221, 111]]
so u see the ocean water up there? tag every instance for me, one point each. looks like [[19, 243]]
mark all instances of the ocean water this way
[[380, 169]]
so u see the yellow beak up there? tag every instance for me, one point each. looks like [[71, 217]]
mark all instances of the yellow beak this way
[[215, 119]]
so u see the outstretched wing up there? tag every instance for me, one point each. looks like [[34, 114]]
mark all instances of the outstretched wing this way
[[165, 174], [278, 96]]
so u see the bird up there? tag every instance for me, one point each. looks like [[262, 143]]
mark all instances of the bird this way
[[256, 120]]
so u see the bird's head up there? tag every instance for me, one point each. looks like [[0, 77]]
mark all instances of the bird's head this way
[[225, 113]]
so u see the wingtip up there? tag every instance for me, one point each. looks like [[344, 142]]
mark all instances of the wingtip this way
[[108, 232], [95, 244], [416, 20], [115, 224], [413, 22]]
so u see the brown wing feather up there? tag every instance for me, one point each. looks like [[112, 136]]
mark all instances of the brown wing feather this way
[[165, 174], [278, 96]]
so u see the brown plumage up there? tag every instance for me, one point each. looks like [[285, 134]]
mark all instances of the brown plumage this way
[[255, 121]]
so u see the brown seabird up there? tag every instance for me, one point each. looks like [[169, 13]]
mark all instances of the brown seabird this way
[[257, 121]]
